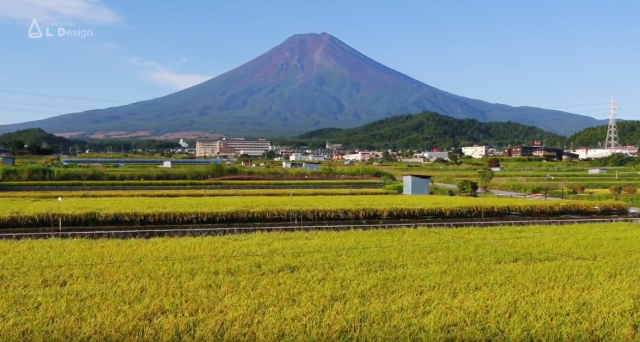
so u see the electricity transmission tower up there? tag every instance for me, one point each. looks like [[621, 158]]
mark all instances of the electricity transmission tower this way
[[612, 132]]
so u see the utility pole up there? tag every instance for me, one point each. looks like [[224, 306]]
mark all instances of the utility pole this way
[[60, 213]]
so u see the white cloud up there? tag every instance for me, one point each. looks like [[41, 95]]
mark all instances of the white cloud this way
[[89, 11], [155, 73]]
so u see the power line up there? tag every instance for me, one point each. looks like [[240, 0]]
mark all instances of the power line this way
[[61, 97], [42, 104], [585, 105], [25, 110]]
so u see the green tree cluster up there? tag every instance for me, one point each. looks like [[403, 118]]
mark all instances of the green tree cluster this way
[[425, 131]]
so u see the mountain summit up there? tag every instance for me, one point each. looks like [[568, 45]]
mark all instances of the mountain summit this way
[[309, 81]]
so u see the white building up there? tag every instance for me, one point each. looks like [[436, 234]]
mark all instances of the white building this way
[[302, 157], [250, 153], [316, 158], [333, 146], [597, 171], [230, 146], [476, 151], [413, 160], [431, 156], [296, 157], [362, 156], [595, 153]]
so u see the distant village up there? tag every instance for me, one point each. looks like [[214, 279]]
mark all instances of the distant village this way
[[231, 149], [226, 148]]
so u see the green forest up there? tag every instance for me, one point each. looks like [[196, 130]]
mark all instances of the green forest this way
[[628, 132], [39, 142], [425, 131]]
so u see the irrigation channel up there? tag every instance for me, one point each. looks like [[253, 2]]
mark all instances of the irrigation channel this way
[[126, 232]]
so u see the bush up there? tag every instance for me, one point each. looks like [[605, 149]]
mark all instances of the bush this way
[[577, 189], [615, 190], [493, 162], [27, 173], [468, 187], [629, 189], [436, 190], [397, 187]]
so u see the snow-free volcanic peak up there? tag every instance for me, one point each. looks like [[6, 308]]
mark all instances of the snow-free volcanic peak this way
[[308, 81]]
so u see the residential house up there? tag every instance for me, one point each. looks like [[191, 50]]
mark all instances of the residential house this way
[[475, 151]]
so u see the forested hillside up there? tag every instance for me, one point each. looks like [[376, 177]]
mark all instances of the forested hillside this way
[[429, 130], [628, 132]]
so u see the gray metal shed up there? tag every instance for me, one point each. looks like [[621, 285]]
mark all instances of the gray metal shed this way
[[416, 184], [311, 166], [6, 158]]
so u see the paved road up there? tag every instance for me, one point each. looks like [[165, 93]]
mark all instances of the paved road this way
[[504, 193]]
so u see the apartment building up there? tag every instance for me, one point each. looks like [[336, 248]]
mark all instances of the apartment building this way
[[475, 151], [231, 146]]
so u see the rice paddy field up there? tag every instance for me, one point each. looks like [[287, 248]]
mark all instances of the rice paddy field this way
[[29, 212], [568, 283], [191, 193]]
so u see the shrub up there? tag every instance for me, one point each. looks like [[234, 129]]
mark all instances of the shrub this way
[[577, 189], [27, 173], [493, 162], [468, 187], [629, 189], [397, 187], [615, 190]]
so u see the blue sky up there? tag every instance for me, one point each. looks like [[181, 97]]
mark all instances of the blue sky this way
[[571, 55]]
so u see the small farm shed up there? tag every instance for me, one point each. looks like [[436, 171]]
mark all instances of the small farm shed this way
[[6, 158], [597, 171], [311, 166], [416, 184]]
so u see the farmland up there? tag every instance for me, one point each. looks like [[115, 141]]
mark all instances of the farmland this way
[[192, 193], [569, 283], [27, 212]]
